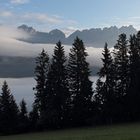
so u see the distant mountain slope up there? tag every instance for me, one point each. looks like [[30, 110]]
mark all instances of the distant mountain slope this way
[[93, 37]]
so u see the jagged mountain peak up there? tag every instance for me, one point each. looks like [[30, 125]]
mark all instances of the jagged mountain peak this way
[[27, 28]]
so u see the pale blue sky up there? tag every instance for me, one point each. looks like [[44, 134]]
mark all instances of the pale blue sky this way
[[69, 15]]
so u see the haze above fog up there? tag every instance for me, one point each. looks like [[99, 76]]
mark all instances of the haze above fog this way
[[11, 47]]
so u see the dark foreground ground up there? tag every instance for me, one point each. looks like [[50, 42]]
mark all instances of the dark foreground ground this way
[[115, 132]]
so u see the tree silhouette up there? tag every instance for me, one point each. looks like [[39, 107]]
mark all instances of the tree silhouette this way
[[133, 97], [33, 118], [41, 70], [23, 117], [57, 88], [8, 110], [105, 86], [79, 83], [122, 79]]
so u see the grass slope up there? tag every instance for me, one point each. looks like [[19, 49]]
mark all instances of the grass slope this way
[[116, 132]]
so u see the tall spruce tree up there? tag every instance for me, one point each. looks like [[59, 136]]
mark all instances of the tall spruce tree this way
[[138, 47], [133, 96], [57, 88], [122, 79], [99, 101], [105, 87], [122, 64], [23, 117], [41, 70], [23, 109], [138, 40], [33, 118], [79, 83], [8, 111]]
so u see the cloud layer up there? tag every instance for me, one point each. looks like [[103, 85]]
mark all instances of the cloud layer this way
[[19, 1]]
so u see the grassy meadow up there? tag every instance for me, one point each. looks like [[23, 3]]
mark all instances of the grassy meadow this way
[[115, 132]]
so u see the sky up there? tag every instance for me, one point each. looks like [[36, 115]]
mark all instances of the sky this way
[[45, 15], [66, 15], [70, 15]]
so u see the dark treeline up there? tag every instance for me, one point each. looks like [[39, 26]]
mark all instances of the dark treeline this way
[[64, 96]]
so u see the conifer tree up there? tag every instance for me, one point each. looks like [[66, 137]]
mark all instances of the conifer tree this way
[[8, 110], [122, 79], [33, 118], [23, 109], [133, 96], [134, 61], [23, 117], [79, 83], [122, 64], [99, 99], [105, 86], [41, 70], [57, 88]]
